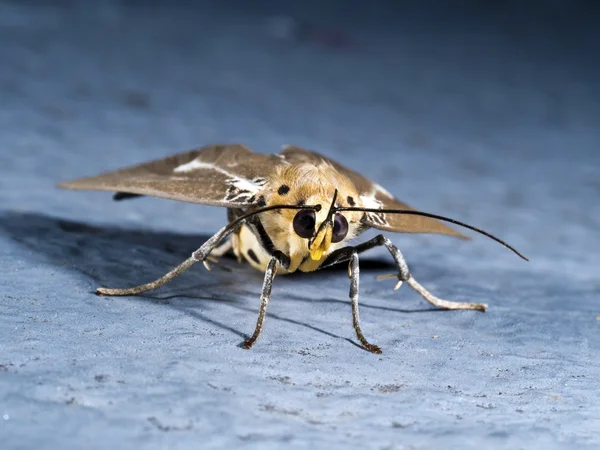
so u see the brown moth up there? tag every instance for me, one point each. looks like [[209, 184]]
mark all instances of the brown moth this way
[[292, 211]]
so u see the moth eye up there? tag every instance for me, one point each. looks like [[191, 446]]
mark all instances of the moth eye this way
[[340, 228], [304, 223]]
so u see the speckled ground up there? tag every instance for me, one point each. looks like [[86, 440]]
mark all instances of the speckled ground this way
[[465, 122]]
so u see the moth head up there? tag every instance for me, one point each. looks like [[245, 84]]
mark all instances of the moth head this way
[[310, 233], [331, 229], [316, 233]]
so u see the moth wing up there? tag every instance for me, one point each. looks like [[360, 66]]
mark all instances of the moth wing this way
[[221, 175], [374, 196]]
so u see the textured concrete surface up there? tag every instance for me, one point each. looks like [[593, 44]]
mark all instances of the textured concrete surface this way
[[497, 129]]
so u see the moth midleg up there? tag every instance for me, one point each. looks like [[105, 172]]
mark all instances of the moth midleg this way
[[354, 273], [199, 255], [265, 296]]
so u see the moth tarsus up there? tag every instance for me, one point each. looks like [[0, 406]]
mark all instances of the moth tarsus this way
[[265, 296], [444, 304], [293, 211], [354, 271], [153, 284]]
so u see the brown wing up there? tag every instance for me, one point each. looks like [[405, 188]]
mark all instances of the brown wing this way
[[222, 175], [374, 196]]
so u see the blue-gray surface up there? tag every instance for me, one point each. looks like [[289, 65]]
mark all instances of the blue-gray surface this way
[[498, 131]]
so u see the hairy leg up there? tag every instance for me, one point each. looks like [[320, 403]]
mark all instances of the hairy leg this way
[[199, 255], [354, 272], [403, 275], [264, 301]]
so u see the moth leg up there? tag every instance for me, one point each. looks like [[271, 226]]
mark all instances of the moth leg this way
[[199, 255], [218, 252], [441, 303], [404, 275], [264, 301], [354, 272]]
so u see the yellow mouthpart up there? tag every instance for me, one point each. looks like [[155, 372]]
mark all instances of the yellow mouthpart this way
[[321, 243]]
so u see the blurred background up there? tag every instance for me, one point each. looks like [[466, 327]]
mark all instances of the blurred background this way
[[488, 112]]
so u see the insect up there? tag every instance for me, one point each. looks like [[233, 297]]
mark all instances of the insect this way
[[292, 211]]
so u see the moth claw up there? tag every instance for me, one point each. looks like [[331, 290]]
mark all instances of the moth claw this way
[[376, 349], [212, 259], [392, 275], [248, 343], [385, 277], [216, 262]]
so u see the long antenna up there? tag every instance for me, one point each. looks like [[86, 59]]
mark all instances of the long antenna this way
[[433, 216], [242, 218]]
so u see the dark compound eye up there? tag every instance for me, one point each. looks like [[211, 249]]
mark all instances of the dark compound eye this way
[[304, 223], [340, 228]]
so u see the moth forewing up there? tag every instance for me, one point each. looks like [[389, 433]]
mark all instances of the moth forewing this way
[[293, 211], [228, 175]]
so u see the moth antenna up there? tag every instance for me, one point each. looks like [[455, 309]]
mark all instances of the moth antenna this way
[[434, 216], [241, 219], [332, 206], [330, 213]]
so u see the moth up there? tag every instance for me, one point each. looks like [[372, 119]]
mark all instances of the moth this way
[[296, 210]]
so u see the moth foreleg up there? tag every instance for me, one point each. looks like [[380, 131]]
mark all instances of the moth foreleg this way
[[404, 275], [264, 301], [199, 255], [354, 272]]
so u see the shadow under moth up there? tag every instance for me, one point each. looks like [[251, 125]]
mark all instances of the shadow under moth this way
[[291, 211]]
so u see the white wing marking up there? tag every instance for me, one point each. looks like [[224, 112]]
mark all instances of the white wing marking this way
[[382, 190], [369, 201], [193, 165], [239, 189], [240, 183]]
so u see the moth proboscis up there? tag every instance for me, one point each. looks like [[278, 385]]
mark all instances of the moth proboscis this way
[[292, 211]]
